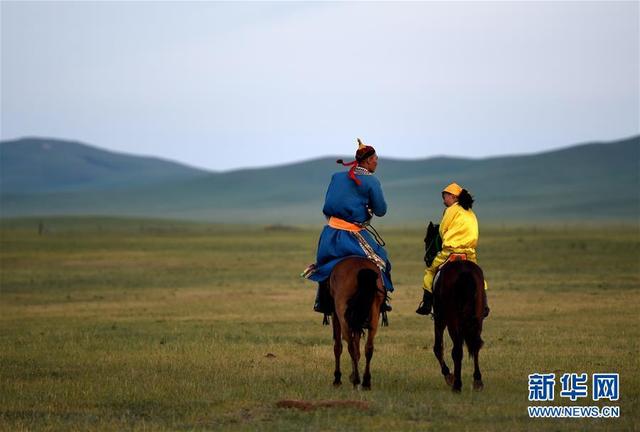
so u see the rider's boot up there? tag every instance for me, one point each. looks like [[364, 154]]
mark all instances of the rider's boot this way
[[427, 301], [317, 305], [320, 304]]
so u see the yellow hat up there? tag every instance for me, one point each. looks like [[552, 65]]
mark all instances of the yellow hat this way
[[453, 188]]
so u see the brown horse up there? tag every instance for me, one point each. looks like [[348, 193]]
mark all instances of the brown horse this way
[[357, 291], [458, 305]]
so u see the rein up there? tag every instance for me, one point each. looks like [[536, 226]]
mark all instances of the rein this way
[[376, 236]]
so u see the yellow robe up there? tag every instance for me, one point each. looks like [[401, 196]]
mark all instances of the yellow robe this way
[[459, 232]]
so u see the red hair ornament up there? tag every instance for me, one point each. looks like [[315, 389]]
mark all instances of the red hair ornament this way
[[364, 151]]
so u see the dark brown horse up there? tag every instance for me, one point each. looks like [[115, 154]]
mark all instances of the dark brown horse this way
[[357, 291], [458, 306]]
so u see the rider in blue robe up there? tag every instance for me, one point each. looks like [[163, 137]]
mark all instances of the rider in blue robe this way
[[351, 200]]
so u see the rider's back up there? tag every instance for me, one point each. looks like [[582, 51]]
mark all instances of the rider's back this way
[[348, 201]]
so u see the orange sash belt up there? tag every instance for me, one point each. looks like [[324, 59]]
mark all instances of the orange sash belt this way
[[342, 224]]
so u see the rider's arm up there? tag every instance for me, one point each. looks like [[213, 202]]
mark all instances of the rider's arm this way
[[327, 208], [377, 204], [447, 219]]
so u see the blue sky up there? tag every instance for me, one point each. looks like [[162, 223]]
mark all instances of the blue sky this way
[[238, 84]]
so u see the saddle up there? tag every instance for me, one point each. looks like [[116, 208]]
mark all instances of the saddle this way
[[453, 257]]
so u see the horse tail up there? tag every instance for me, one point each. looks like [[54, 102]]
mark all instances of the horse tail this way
[[359, 306], [467, 287]]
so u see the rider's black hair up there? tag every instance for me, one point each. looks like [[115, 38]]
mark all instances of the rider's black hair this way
[[465, 199]]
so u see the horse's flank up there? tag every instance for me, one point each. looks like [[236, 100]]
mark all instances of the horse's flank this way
[[357, 284]]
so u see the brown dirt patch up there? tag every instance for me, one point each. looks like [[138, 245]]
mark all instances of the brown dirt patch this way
[[311, 405]]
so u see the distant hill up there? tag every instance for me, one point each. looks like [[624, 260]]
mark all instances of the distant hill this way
[[47, 165], [588, 182]]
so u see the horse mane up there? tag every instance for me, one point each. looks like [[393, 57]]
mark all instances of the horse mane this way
[[432, 243], [359, 306]]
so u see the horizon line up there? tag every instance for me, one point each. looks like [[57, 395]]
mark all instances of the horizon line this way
[[317, 158]]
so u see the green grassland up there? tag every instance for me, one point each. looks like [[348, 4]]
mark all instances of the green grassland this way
[[109, 324]]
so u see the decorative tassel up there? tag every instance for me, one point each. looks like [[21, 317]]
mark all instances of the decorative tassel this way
[[352, 171]]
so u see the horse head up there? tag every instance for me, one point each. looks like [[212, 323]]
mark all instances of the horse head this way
[[432, 243]]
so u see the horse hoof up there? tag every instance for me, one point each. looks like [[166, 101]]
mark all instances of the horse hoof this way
[[456, 389], [449, 379], [337, 383], [366, 387], [478, 385], [354, 380]]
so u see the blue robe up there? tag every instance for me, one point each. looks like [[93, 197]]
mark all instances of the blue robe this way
[[350, 202]]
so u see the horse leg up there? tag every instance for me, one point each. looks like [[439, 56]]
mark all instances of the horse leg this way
[[354, 351], [337, 350], [477, 376], [456, 353], [437, 350], [368, 352]]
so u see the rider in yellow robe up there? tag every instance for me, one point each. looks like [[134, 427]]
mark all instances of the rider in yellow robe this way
[[459, 233]]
